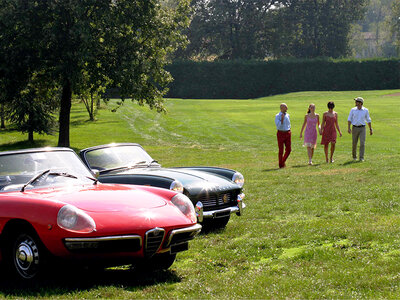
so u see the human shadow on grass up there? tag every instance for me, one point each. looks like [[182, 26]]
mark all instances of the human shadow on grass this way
[[295, 166], [270, 170], [306, 166], [350, 162], [63, 283]]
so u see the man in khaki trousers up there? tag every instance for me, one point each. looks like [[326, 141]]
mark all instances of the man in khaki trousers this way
[[358, 116]]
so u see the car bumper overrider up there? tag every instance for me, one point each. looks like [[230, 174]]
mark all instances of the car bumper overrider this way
[[154, 242], [219, 213]]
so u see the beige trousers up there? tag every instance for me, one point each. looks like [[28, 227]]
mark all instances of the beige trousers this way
[[358, 133]]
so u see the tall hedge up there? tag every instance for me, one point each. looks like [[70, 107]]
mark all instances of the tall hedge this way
[[253, 79]]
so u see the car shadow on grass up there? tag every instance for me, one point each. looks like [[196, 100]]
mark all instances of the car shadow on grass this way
[[63, 284]]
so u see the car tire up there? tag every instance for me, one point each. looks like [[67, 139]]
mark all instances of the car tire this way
[[158, 262], [212, 224], [24, 256]]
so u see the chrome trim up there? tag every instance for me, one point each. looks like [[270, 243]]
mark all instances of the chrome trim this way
[[199, 211], [106, 238], [195, 229], [157, 231], [212, 214], [241, 205]]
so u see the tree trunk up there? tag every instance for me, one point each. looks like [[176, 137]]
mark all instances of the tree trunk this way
[[91, 107], [3, 125], [64, 118], [31, 126], [30, 136]]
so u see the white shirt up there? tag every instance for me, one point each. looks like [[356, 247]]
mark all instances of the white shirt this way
[[358, 117], [285, 126]]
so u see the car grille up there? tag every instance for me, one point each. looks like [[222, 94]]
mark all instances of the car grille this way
[[178, 239], [181, 238], [104, 244], [153, 240], [217, 201]]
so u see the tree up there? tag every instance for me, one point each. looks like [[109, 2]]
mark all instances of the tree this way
[[395, 24], [245, 29], [32, 110], [83, 44], [228, 29], [315, 28], [371, 36], [2, 116], [91, 94]]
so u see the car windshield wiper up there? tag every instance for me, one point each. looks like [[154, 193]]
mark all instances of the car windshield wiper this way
[[95, 180], [124, 167], [36, 177], [152, 162]]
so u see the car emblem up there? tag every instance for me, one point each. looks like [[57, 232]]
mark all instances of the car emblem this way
[[225, 198], [156, 232]]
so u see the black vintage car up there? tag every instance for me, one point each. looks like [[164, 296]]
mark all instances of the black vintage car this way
[[216, 193]]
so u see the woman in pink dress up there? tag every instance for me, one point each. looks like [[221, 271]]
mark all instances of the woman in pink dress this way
[[328, 129], [311, 120]]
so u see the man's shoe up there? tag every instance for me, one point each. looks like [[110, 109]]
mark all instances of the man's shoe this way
[[361, 159]]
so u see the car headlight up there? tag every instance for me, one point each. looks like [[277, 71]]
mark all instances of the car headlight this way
[[73, 219], [176, 186], [185, 206], [238, 179]]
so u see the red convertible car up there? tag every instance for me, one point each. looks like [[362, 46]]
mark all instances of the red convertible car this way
[[52, 208]]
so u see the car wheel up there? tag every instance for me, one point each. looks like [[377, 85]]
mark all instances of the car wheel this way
[[219, 223], [163, 261], [25, 256], [158, 262]]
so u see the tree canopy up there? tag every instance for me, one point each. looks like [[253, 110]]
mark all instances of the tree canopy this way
[[243, 29], [395, 24], [373, 36], [88, 44], [229, 29], [318, 28]]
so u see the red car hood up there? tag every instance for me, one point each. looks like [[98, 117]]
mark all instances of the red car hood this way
[[101, 197]]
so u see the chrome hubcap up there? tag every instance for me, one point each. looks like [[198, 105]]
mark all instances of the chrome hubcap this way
[[27, 258]]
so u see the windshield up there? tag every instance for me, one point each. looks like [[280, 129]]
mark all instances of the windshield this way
[[116, 157], [42, 168]]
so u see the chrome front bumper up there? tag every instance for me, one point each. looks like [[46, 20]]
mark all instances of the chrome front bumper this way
[[219, 213], [177, 241]]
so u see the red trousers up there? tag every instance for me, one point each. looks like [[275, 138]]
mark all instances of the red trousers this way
[[284, 144]]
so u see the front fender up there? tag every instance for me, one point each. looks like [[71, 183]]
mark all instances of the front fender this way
[[227, 173]]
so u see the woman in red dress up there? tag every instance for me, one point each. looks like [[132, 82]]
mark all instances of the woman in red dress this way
[[328, 128]]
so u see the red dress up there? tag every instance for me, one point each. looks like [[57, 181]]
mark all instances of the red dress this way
[[329, 134]]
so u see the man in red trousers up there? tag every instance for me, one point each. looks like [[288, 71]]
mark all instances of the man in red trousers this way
[[282, 122]]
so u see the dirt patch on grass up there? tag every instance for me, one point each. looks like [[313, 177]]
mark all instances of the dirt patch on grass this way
[[392, 95], [342, 171]]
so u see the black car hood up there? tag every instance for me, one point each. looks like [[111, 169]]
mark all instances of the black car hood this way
[[192, 180]]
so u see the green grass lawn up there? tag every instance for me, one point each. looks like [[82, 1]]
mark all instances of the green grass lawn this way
[[321, 231]]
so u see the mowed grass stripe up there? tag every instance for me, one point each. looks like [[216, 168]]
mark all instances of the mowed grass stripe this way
[[322, 231]]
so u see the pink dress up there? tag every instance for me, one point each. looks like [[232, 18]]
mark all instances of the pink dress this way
[[329, 135], [310, 134]]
